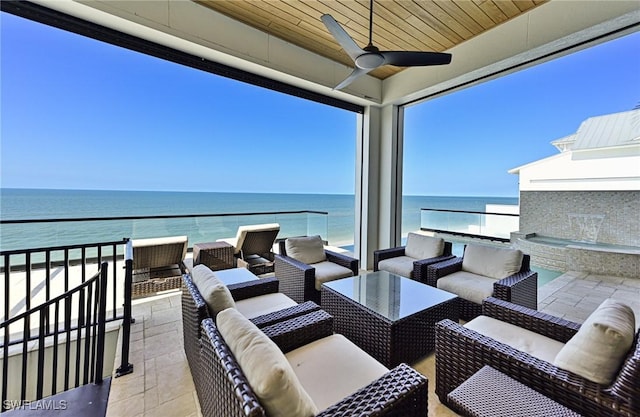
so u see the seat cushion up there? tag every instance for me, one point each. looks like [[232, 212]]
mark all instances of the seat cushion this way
[[263, 304], [536, 345], [308, 250], [215, 293], [400, 265], [492, 262], [328, 271], [333, 368], [265, 366], [597, 350], [420, 246], [471, 287]]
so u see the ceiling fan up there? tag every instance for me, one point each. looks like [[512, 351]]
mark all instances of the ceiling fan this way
[[370, 57]]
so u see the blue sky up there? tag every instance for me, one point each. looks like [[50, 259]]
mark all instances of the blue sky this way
[[80, 114]]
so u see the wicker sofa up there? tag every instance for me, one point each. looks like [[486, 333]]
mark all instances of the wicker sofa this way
[[461, 352], [411, 261], [519, 288], [194, 310], [227, 392], [298, 279]]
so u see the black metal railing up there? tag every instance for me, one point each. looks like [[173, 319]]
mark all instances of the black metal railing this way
[[51, 277], [78, 313], [476, 224]]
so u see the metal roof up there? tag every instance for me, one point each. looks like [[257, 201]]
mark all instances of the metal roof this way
[[616, 129]]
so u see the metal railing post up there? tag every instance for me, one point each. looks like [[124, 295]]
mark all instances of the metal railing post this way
[[126, 367], [102, 318]]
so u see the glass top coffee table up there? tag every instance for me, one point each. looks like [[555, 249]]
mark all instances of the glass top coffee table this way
[[390, 317]]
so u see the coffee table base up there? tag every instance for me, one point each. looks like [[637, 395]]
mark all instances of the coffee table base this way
[[390, 342]]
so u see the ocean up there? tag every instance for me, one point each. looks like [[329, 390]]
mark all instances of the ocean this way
[[337, 227]]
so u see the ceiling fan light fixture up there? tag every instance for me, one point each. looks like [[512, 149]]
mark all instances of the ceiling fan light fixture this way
[[369, 61]]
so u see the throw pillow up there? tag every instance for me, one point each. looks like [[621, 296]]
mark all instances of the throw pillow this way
[[215, 293], [598, 349], [423, 247], [308, 250], [265, 366], [496, 263]]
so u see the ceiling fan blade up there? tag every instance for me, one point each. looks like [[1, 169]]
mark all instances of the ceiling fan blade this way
[[415, 59], [357, 72], [343, 38]]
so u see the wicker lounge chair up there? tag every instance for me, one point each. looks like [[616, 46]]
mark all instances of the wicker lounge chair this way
[[461, 352], [411, 261], [194, 310], [398, 392], [158, 264], [520, 287], [299, 280], [253, 246]]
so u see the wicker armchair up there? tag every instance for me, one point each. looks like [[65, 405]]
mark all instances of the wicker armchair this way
[[461, 352], [520, 288], [399, 262], [194, 310], [400, 392], [298, 280]]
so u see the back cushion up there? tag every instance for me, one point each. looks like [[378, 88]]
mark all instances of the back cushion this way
[[496, 263], [598, 349], [423, 247], [265, 366], [308, 250], [215, 293]]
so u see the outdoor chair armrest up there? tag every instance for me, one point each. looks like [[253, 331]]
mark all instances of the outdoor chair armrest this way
[[400, 392], [382, 254], [285, 314], [520, 288], [299, 331], [461, 352], [420, 268], [536, 321], [254, 288], [343, 260], [294, 277], [440, 269]]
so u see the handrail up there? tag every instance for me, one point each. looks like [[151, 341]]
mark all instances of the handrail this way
[[160, 216], [479, 229], [91, 302], [470, 212]]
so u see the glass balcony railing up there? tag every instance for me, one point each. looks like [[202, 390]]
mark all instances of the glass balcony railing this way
[[38, 233], [488, 225]]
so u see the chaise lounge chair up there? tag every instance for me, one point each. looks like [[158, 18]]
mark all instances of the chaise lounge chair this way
[[158, 264], [253, 246]]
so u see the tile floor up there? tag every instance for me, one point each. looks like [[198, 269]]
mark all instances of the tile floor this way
[[161, 383]]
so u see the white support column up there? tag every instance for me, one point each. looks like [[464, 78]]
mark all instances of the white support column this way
[[378, 182]]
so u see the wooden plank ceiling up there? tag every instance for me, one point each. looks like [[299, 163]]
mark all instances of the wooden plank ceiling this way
[[405, 25]]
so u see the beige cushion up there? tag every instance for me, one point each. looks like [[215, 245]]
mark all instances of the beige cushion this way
[[423, 247], [308, 250], [263, 304], [472, 287], [215, 293], [333, 368], [492, 262], [265, 366], [597, 351], [400, 265], [536, 345], [328, 271]]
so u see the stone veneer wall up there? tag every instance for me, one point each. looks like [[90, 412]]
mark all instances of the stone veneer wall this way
[[574, 215], [577, 215]]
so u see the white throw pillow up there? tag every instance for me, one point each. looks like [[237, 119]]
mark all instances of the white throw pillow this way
[[215, 293], [265, 366], [496, 263], [598, 349], [308, 250], [423, 247]]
